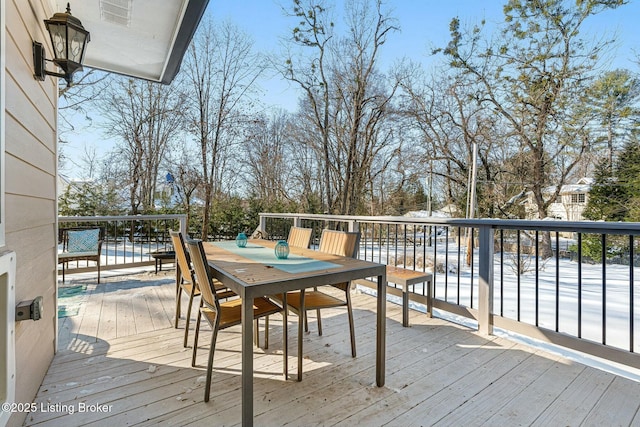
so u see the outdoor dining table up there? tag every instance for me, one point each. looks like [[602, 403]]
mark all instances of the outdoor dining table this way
[[254, 271]]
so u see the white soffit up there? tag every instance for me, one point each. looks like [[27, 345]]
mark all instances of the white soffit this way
[[139, 38]]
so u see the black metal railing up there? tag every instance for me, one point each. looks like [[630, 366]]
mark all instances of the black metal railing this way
[[129, 241], [567, 283]]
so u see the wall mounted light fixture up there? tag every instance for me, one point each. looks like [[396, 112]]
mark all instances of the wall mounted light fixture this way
[[69, 40]]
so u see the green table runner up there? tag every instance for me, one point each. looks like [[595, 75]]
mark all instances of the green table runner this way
[[293, 264]]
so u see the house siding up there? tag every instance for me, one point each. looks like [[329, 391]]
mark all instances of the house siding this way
[[30, 191]]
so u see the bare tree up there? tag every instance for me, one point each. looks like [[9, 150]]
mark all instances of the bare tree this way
[[145, 116], [268, 159], [185, 176], [221, 71], [314, 30], [347, 102], [363, 102]]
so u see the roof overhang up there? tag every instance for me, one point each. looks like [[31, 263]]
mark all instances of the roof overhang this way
[[146, 39]]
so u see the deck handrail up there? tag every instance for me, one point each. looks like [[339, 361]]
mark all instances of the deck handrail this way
[[125, 247], [581, 307]]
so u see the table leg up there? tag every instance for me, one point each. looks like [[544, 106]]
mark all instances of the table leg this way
[[302, 317], [247, 361], [285, 336], [381, 330]]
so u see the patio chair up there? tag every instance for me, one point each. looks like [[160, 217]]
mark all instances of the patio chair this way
[[184, 281], [299, 237], [219, 315], [80, 244], [335, 243]]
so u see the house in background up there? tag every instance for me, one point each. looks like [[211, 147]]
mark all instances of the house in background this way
[[143, 39], [569, 204]]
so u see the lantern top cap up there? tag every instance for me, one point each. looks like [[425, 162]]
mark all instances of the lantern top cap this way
[[65, 18]]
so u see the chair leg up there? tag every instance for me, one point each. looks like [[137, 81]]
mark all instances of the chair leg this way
[[63, 272], [319, 320], [178, 290], [256, 335], [98, 272], [178, 298], [186, 325], [352, 329], [212, 350], [195, 338]]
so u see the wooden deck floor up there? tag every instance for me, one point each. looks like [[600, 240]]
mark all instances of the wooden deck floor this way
[[121, 352]]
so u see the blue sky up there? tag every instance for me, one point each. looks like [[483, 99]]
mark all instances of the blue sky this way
[[423, 24]]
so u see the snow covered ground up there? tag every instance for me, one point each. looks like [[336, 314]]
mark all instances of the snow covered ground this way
[[558, 288]]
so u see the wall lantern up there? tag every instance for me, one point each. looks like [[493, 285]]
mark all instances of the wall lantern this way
[[69, 40]]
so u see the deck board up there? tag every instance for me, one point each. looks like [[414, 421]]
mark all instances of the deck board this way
[[121, 350]]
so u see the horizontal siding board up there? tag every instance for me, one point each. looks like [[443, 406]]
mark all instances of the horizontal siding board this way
[[36, 270], [25, 113], [40, 184], [27, 147], [23, 213], [19, 62]]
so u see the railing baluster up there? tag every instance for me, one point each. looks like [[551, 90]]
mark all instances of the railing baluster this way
[[470, 246], [557, 281], [435, 257], [458, 271], [604, 289], [446, 265], [537, 279], [518, 274], [579, 285], [631, 294], [501, 272]]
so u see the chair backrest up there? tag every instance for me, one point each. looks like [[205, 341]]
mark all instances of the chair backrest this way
[[299, 237], [203, 274], [339, 243], [182, 256], [76, 240]]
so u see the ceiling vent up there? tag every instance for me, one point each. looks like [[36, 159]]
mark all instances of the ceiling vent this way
[[116, 11]]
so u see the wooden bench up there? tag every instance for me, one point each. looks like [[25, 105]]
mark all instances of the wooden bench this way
[[405, 278]]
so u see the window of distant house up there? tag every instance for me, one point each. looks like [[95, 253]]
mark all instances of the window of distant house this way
[[578, 198]]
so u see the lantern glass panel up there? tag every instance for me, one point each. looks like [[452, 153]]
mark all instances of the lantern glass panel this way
[[58, 40], [76, 43]]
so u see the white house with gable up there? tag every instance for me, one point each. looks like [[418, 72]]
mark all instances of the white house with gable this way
[[569, 204]]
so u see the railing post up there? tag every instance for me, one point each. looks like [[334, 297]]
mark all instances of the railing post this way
[[485, 280], [263, 224], [297, 221], [354, 226], [183, 225]]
